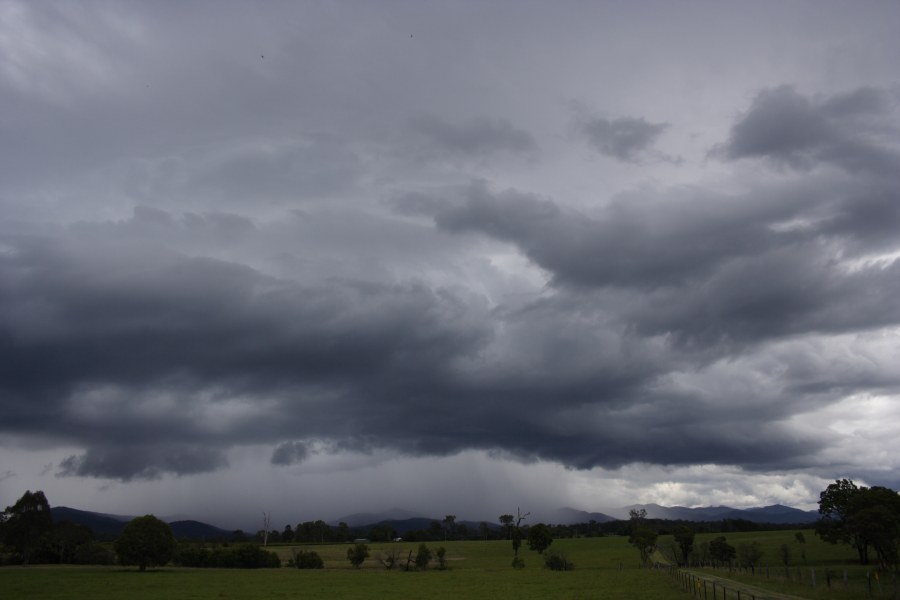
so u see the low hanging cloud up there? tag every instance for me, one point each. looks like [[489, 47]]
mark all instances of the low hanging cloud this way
[[855, 131], [627, 139], [479, 137]]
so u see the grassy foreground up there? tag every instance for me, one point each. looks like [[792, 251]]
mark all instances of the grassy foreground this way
[[477, 570], [604, 568]]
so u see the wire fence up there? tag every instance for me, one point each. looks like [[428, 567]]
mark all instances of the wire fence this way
[[706, 586]]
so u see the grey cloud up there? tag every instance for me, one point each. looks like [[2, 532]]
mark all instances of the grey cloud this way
[[626, 138], [289, 453], [853, 131], [477, 137], [146, 461]]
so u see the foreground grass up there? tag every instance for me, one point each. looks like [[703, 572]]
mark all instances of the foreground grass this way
[[605, 568]]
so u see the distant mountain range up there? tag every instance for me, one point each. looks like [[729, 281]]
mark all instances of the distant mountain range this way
[[777, 514], [110, 526], [106, 526]]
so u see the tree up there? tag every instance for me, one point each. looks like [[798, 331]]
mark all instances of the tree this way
[[833, 526], [784, 552], [539, 538], [146, 541], [684, 537], [450, 523], [516, 536], [721, 551], [423, 557], [507, 522], [26, 522], [749, 554], [288, 534], [644, 540], [441, 555], [267, 523], [861, 517], [357, 554]]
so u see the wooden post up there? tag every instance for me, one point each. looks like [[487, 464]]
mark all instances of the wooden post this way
[[812, 573]]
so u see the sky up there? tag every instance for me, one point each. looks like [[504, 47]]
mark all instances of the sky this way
[[318, 258]]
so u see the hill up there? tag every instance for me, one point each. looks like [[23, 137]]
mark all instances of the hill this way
[[108, 527]]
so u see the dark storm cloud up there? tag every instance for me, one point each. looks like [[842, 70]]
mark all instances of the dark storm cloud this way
[[161, 356], [855, 131], [290, 453], [144, 461], [627, 139]]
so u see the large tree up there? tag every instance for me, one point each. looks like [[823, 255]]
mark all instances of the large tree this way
[[26, 522], [539, 537], [861, 517], [684, 537], [644, 540], [146, 542]]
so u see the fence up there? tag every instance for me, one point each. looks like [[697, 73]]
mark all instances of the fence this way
[[710, 587]]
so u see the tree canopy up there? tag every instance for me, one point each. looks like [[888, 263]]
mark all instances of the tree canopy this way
[[146, 542], [862, 517], [25, 522]]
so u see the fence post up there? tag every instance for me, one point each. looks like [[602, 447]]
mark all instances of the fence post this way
[[812, 573], [845, 579]]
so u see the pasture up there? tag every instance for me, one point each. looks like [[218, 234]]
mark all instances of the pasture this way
[[604, 568]]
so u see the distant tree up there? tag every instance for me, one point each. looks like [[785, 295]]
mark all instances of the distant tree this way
[[484, 530], [644, 540], [435, 530], [423, 557], [684, 537], [25, 523], [507, 522], [441, 555], [288, 534], [749, 554], [721, 551], [516, 535], [834, 525], [357, 554], [449, 525], [784, 553], [66, 541], [637, 515], [539, 538], [146, 542], [343, 532], [267, 525], [462, 531]]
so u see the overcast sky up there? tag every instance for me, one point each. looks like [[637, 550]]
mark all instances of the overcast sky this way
[[317, 258]]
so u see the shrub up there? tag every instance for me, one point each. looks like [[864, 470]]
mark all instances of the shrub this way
[[308, 560], [518, 563], [357, 554], [423, 557], [557, 561], [441, 554]]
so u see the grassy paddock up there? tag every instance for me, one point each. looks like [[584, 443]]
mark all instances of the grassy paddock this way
[[477, 570]]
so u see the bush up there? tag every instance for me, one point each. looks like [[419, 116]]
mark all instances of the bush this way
[[423, 557], [357, 554], [441, 554], [308, 560], [518, 563], [557, 561], [245, 556]]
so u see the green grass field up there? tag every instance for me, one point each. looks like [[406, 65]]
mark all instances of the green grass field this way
[[604, 568]]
